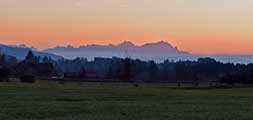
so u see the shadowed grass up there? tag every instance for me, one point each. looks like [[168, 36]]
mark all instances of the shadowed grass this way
[[114, 101]]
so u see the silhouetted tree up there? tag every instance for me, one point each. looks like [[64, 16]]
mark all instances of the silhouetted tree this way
[[45, 59], [127, 68], [4, 75], [110, 72], [2, 59], [195, 80], [83, 73], [31, 58], [37, 59], [153, 69], [179, 73]]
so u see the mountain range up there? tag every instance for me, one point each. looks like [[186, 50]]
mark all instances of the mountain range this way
[[147, 51], [158, 51]]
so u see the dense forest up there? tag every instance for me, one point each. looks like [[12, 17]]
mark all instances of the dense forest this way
[[125, 70]]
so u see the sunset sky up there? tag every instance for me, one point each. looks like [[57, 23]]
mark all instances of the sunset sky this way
[[197, 26]]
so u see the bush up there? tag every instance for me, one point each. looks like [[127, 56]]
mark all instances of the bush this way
[[27, 79], [4, 75]]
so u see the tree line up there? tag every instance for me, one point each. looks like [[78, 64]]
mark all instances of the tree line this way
[[127, 70]]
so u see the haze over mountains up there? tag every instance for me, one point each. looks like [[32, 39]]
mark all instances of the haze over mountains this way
[[149, 51], [158, 52]]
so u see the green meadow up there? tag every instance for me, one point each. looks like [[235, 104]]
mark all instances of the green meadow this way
[[121, 101]]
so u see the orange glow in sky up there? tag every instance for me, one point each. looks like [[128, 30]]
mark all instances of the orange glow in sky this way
[[197, 26]]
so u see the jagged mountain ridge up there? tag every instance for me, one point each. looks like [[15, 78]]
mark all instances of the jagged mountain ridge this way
[[158, 52], [146, 51]]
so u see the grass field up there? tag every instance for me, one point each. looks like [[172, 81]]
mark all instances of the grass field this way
[[112, 101]]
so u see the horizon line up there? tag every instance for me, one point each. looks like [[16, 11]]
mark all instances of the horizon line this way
[[136, 45]]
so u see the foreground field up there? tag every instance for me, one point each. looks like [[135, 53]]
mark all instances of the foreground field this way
[[111, 101]]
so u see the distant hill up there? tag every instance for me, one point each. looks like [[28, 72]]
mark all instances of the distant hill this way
[[151, 51], [21, 51]]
